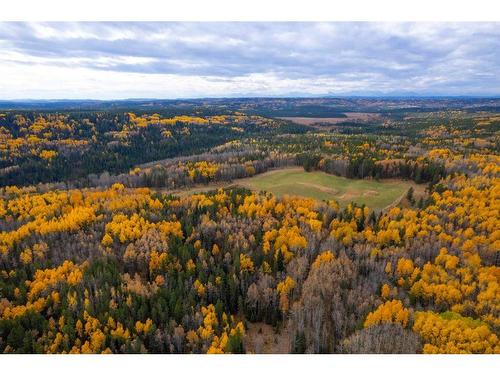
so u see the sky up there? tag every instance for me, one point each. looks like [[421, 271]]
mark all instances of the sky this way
[[192, 60]]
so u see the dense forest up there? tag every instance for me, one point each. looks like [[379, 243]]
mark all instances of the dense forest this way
[[97, 255]]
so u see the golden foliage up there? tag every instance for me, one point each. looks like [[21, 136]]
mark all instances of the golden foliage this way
[[246, 264], [324, 257], [389, 312], [452, 333]]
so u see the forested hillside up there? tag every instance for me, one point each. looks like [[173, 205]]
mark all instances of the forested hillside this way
[[98, 256]]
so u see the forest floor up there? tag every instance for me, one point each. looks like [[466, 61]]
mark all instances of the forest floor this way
[[377, 195], [261, 338]]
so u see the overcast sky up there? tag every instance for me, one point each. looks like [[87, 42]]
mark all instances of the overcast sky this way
[[179, 60]]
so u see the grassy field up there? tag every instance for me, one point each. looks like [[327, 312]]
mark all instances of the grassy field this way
[[319, 185]]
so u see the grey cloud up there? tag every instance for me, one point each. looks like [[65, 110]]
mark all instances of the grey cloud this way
[[426, 57]]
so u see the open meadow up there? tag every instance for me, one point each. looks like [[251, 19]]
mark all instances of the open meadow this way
[[322, 186]]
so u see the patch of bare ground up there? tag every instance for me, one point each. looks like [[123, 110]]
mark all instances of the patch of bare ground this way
[[261, 338], [370, 193], [351, 194], [319, 187]]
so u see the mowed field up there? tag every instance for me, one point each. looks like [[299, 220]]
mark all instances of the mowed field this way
[[322, 186]]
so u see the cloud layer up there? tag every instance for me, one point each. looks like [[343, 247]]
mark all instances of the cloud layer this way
[[173, 60]]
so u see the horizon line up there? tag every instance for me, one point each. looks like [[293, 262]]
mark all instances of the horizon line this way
[[381, 96]]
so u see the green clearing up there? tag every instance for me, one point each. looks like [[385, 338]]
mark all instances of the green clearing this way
[[322, 186]]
